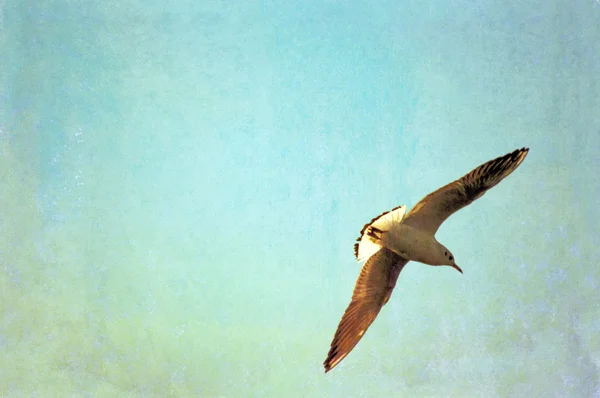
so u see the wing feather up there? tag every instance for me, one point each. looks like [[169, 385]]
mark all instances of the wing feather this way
[[373, 289], [436, 207]]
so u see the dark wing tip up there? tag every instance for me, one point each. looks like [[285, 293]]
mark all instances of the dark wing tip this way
[[518, 154], [327, 364], [491, 173], [516, 158], [333, 358], [522, 152], [356, 320]]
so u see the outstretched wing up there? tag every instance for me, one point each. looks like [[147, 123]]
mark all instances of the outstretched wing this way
[[364, 246], [436, 207], [373, 289]]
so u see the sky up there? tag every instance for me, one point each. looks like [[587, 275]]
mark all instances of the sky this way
[[183, 183]]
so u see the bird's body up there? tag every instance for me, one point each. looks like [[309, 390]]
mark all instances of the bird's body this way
[[413, 244], [394, 238]]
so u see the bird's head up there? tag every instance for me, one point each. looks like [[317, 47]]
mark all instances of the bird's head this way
[[449, 260]]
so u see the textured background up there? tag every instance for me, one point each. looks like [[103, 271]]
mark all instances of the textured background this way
[[181, 186]]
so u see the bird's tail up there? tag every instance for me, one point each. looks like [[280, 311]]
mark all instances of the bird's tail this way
[[369, 241]]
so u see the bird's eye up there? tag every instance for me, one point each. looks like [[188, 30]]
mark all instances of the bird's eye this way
[[450, 257], [445, 253]]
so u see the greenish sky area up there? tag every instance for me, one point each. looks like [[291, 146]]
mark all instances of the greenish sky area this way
[[181, 185]]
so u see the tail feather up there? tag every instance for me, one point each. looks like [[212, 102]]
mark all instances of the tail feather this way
[[368, 243]]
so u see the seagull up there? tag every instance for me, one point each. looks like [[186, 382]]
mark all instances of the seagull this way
[[391, 240]]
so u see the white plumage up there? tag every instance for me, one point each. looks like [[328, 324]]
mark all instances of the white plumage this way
[[393, 238]]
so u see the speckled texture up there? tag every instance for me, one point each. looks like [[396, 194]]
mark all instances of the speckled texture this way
[[181, 185]]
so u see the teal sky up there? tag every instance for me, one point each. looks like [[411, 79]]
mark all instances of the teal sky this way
[[183, 182]]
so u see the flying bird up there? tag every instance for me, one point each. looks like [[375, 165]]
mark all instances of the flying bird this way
[[392, 239]]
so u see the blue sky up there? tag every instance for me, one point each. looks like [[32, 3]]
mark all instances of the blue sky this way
[[184, 184]]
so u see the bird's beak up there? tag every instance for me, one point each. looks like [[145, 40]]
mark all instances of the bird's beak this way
[[456, 267]]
